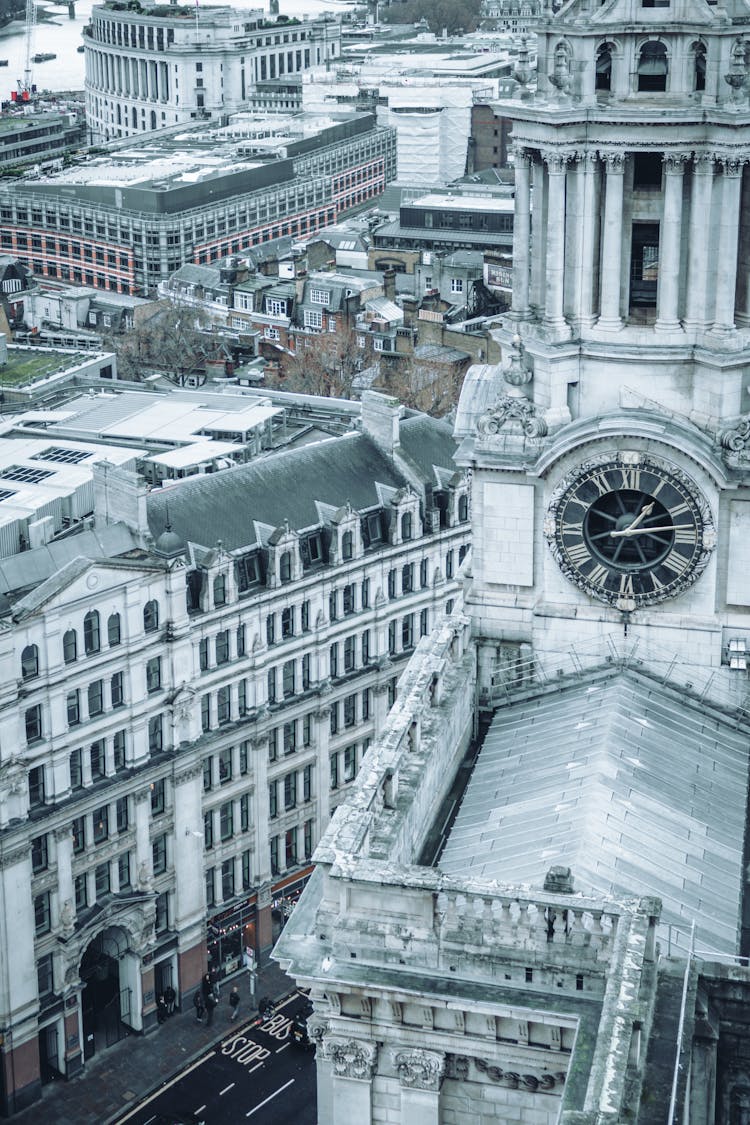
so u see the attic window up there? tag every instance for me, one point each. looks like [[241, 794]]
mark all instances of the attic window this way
[[311, 550], [25, 475], [248, 572], [372, 529], [62, 456], [320, 296]]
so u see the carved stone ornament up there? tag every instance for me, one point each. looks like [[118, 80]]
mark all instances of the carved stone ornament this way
[[516, 412], [67, 918], [737, 438], [419, 1070], [351, 1058]]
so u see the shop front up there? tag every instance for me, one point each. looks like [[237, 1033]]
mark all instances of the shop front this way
[[230, 933], [285, 896]]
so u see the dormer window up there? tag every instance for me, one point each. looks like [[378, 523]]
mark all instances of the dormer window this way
[[652, 67], [285, 567], [372, 529], [320, 296], [347, 545]]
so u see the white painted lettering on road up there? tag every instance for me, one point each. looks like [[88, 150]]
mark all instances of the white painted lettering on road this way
[[270, 1097], [244, 1050]]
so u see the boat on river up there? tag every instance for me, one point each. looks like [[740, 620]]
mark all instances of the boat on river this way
[[43, 56]]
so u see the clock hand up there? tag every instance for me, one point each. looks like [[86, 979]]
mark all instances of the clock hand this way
[[639, 531], [645, 511]]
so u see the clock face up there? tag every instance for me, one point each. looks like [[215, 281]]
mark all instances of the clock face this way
[[630, 529]]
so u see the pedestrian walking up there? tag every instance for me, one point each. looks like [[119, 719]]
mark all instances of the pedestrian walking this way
[[199, 1006], [206, 987], [161, 1009], [234, 1001], [170, 996], [210, 1005], [214, 978]]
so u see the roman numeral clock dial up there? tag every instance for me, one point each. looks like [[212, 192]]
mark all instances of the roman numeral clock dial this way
[[630, 529]]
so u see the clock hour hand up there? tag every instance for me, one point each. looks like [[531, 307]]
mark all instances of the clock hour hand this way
[[639, 531], [646, 510]]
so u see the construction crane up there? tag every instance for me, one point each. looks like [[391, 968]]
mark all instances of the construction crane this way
[[24, 85]]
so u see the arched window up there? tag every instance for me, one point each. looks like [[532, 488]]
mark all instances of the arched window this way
[[114, 634], [604, 67], [406, 525], [151, 616], [70, 646], [285, 567], [463, 508], [347, 545], [29, 662], [91, 638], [699, 67], [220, 590], [653, 67]]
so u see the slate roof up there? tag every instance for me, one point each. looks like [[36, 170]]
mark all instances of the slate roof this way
[[639, 789], [288, 486]]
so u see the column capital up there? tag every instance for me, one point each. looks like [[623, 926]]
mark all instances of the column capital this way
[[351, 1058], [557, 162], [521, 153], [703, 163], [674, 162], [587, 158], [614, 161], [419, 1069], [732, 165]]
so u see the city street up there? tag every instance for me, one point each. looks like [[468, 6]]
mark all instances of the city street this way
[[255, 1073]]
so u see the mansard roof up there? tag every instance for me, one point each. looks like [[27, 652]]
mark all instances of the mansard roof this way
[[291, 484], [635, 786]]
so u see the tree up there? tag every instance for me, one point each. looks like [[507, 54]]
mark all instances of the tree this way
[[431, 388], [451, 15], [174, 341], [324, 364]]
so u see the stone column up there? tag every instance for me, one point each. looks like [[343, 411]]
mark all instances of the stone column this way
[[588, 163], [65, 892], [353, 1063], [670, 244], [611, 271], [700, 228], [538, 235], [421, 1074], [521, 234], [555, 264], [143, 853], [726, 251]]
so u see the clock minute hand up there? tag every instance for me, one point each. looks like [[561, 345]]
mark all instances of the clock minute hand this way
[[640, 531], [645, 511]]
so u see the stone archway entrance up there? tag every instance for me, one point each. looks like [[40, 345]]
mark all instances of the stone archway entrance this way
[[105, 1001]]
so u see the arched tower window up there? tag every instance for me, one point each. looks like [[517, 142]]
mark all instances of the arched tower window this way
[[699, 66], [652, 67], [604, 67]]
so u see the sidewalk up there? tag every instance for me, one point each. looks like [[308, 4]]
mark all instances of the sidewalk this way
[[136, 1066]]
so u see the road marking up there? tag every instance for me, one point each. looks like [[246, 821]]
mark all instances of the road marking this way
[[166, 1086], [279, 1049], [198, 1110], [226, 1088], [150, 1120], [271, 1097], [252, 1068]]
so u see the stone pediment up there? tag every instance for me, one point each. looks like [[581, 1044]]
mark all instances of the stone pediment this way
[[82, 580]]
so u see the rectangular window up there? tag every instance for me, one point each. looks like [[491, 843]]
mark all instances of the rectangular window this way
[[644, 264], [407, 578], [208, 829], [95, 698], [290, 737], [211, 887], [100, 819], [123, 871], [158, 796], [78, 830], [155, 734], [153, 674], [102, 883], [244, 812], [81, 891], [273, 744], [290, 791], [308, 839], [305, 617], [312, 318], [349, 599], [457, 285], [244, 758], [424, 622], [288, 676], [350, 654], [241, 640], [223, 705], [366, 704], [306, 730], [161, 923], [350, 763], [118, 750], [306, 672], [307, 783], [366, 647], [365, 593], [33, 722], [227, 879], [36, 786], [391, 637], [334, 771], [225, 765], [350, 710], [407, 631], [391, 584], [334, 660], [423, 573], [44, 976], [332, 605], [271, 685], [222, 647], [270, 629], [117, 689], [273, 799], [449, 564], [159, 852], [205, 712], [73, 705], [275, 306], [226, 821], [97, 757], [290, 847], [246, 871], [334, 718], [122, 814], [39, 858], [287, 622], [203, 655], [273, 847]]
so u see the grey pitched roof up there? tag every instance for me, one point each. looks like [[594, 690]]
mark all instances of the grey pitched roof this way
[[288, 485], [30, 569], [637, 788], [428, 443]]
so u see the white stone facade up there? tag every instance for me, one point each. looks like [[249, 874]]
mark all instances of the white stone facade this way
[[156, 67]]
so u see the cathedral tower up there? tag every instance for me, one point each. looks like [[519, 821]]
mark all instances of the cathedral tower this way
[[611, 450]]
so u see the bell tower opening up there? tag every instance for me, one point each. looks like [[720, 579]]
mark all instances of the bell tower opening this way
[[644, 269], [652, 67]]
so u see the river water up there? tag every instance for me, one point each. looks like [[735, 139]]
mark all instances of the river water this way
[[63, 35]]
